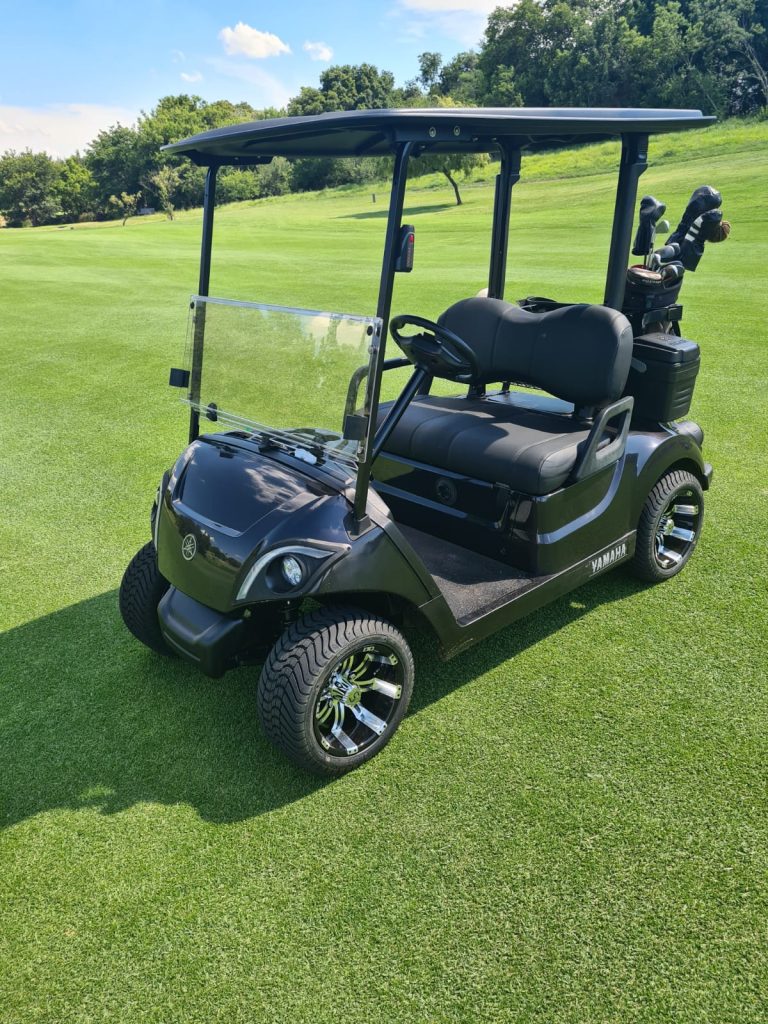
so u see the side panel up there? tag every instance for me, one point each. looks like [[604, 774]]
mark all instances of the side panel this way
[[541, 535]]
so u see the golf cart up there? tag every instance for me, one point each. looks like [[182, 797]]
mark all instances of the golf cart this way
[[319, 529]]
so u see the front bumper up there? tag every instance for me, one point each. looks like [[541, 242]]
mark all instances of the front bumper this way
[[209, 639]]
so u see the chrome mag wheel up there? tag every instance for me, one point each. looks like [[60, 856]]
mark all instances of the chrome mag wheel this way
[[677, 530], [335, 688], [669, 528], [359, 701]]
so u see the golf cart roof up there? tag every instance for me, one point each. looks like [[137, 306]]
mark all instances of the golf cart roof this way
[[442, 130]]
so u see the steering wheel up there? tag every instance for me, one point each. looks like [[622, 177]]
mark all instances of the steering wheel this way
[[435, 349]]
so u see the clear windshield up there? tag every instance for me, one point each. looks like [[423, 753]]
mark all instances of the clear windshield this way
[[290, 376]]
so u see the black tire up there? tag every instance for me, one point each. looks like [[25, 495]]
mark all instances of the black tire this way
[[669, 528], [141, 590], [298, 691]]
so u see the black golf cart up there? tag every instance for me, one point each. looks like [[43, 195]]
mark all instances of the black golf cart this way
[[561, 453]]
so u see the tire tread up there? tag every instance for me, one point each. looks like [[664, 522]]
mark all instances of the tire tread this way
[[644, 565], [141, 590], [290, 673]]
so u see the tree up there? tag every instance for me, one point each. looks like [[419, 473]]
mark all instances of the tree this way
[[429, 69], [730, 40], [28, 188], [76, 189], [462, 78], [356, 87], [165, 182], [274, 178], [125, 204], [450, 164], [236, 184], [342, 87], [517, 38], [113, 160], [309, 101], [345, 87]]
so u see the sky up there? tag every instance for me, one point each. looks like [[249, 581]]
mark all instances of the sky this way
[[73, 67]]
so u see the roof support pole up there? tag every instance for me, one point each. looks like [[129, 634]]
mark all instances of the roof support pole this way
[[209, 201], [509, 175], [634, 160], [383, 308]]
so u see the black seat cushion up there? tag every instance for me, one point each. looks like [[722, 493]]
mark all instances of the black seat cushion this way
[[497, 439], [580, 353]]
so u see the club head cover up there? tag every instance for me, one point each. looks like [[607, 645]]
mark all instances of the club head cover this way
[[703, 199], [650, 212], [706, 228], [672, 272], [667, 253], [716, 230]]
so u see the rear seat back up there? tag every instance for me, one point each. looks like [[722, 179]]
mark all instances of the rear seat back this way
[[579, 353]]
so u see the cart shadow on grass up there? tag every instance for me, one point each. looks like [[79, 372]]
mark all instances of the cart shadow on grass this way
[[95, 720]]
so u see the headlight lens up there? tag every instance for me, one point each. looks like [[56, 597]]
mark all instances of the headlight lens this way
[[292, 570]]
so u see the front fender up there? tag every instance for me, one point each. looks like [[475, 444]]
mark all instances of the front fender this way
[[225, 506]]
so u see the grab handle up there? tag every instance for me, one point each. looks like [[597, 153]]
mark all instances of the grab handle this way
[[594, 458]]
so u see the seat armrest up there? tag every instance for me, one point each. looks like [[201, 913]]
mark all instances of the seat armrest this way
[[594, 458]]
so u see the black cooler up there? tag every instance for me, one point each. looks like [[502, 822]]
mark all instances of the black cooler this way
[[662, 377]]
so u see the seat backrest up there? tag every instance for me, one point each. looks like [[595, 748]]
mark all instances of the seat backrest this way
[[579, 353]]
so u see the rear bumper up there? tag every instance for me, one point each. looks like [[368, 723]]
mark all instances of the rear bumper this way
[[199, 634]]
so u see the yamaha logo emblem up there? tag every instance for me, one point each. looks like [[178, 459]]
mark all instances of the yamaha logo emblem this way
[[189, 547]]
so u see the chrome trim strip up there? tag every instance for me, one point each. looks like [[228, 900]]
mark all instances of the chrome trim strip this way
[[261, 563]]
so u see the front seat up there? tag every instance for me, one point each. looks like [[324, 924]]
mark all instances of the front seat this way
[[580, 354]]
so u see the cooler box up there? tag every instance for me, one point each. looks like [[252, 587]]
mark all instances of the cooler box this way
[[662, 376]]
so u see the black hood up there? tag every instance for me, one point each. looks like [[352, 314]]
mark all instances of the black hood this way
[[237, 503]]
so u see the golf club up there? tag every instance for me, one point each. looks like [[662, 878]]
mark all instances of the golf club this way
[[651, 210]]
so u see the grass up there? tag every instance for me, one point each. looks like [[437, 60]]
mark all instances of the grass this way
[[570, 826]]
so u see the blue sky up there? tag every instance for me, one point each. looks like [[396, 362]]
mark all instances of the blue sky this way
[[70, 68]]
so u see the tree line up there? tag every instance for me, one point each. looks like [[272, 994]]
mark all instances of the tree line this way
[[711, 54]]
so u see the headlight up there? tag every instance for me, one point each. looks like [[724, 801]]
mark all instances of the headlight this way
[[292, 570], [285, 567]]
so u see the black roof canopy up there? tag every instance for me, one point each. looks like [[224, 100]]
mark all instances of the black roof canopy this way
[[443, 130]]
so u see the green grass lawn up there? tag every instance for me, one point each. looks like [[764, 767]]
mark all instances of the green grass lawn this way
[[570, 826]]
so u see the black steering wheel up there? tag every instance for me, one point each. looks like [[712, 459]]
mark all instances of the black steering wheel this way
[[435, 349]]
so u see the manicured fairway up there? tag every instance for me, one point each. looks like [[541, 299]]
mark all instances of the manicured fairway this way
[[570, 826]]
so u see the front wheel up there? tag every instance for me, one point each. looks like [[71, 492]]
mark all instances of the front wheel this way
[[334, 689], [141, 591], [669, 527]]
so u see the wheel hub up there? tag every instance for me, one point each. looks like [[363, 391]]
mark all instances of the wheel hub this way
[[358, 702], [345, 692], [677, 530]]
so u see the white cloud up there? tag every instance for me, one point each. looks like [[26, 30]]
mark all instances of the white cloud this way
[[194, 76], [268, 90], [463, 20], [318, 51], [242, 40], [58, 128], [178, 56]]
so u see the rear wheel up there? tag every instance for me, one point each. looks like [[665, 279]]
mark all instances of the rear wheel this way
[[669, 527], [141, 591], [334, 689]]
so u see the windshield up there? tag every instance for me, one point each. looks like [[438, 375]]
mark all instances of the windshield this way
[[290, 377]]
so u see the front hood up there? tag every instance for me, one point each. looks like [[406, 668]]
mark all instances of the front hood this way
[[230, 504]]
